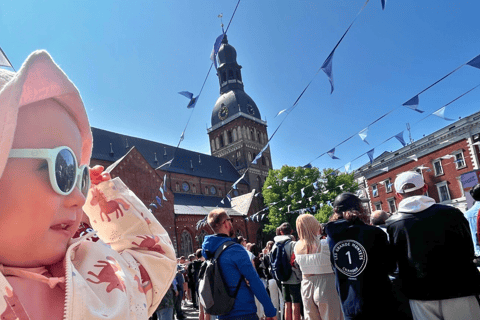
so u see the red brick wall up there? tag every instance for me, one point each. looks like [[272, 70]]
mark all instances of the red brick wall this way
[[449, 169]]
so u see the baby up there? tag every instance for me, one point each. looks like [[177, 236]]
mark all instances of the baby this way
[[45, 186]]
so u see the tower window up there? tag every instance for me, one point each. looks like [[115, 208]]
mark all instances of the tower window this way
[[252, 135], [224, 76], [258, 137], [230, 75], [229, 136], [222, 143], [263, 161], [239, 76], [249, 156]]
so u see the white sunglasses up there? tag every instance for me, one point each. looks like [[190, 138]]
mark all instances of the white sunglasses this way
[[62, 168]]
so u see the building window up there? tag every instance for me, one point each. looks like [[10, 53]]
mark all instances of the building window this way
[[459, 160], [249, 156], [267, 162], [229, 136], [239, 154], [186, 244], [437, 166], [224, 76], [263, 161], [222, 143], [388, 185], [391, 205], [375, 190], [259, 138], [201, 237], [443, 192], [177, 187], [378, 205], [185, 186], [206, 190], [194, 189], [239, 76], [252, 135]]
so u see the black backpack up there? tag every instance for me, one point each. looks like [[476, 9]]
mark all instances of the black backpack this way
[[212, 289], [281, 269]]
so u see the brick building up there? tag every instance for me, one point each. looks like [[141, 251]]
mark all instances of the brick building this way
[[441, 157], [196, 183]]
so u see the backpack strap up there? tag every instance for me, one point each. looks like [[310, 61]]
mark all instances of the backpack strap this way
[[218, 252]]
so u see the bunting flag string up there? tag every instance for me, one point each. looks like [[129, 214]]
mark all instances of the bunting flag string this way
[[412, 103], [363, 135], [331, 153]]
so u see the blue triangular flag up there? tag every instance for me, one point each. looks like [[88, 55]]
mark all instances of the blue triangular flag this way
[[162, 190], [192, 103], [153, 205], [159, 201], [347, 167], [400, 138], [280, 112], [327, 68], [259, 155], [315, 185], [370, 155], [413, 104], [441, 113], [187, 94], [383, 4], [363, 135], [234, 186], [229, 198], [263, 216], [475, 62], [182, 136], [331, 153], [303, 193], [308, 166], [4, 60], [216, 47]]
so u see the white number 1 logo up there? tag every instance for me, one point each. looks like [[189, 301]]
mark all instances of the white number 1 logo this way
[[349, 258]]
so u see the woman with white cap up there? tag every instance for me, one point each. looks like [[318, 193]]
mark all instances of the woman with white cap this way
[[45, 149]]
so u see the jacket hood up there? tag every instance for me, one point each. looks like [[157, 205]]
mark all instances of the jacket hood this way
[[281, 238], [415, 204], [211, 244]]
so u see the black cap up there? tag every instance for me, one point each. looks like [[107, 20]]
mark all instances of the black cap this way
[[475, 192], [346, 201]]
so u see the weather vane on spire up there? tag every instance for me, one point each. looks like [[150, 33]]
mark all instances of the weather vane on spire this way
[[221, 20]]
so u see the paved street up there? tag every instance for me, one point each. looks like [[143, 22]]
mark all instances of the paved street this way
[[189, 311]]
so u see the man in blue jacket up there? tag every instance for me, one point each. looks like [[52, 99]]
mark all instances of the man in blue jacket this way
[[235, 263]]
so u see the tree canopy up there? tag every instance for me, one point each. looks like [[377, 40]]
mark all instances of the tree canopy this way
[[283, 188]]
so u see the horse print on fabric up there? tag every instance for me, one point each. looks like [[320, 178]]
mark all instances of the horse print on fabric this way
[[111, 273], [107, 207], [151, 243]]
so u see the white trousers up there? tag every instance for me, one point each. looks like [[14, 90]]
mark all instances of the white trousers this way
[[276, 296], [464, 308]]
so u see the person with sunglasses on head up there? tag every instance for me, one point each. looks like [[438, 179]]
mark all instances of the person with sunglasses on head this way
[[46, 188]]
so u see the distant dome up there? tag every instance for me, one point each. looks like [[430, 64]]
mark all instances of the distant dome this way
[[235, 101], [226, 53]]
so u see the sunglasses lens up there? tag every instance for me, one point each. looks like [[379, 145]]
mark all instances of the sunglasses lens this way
[[85, 182], [65, 170]]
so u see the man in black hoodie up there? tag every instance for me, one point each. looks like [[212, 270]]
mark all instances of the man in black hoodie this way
[[434, 251]]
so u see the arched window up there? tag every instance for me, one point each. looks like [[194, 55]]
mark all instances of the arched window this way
[[229, 136], [237, 163], [249, 156], [239, 154], [263, 161], [252, 135], [230, 75], [267, 163], [222, 143], [177, 187], [217, 142], [259, 183], [186, 246], [259, 137], [239, 75], [224, 76], [219, 192], [194, 189], [213, 144], [206, 190], [234, 131]]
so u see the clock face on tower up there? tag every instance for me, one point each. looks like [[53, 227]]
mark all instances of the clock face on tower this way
[[250, 109], [223, 113]]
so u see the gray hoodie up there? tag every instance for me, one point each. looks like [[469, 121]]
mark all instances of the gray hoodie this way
[[296, 277]]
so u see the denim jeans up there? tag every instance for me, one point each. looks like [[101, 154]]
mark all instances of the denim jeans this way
[[165, 314]]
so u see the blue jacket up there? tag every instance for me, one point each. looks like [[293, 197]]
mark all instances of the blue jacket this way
[[471, 215], [234, 262]]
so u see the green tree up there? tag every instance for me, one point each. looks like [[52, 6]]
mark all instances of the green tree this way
[[282, 193]]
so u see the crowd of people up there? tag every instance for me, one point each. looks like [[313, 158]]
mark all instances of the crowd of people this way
[[416, 264]]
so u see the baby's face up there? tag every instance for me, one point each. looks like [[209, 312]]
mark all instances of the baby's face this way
[[30, 210]]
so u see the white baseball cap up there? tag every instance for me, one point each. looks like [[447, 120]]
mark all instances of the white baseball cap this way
[[39, 78], [407, 177]]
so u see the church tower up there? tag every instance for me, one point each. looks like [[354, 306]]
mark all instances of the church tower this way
[[238, 133]]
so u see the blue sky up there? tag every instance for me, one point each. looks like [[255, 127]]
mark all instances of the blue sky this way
[[130, 59]]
